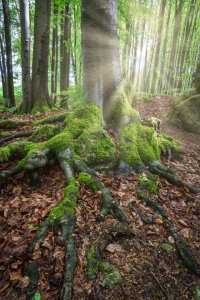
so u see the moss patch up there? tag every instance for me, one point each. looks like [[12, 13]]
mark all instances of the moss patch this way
[[44, 133], [90, 182], [68, 203], [19, 148], [60, 142], [86, 117], [138, 145], [96, 148], [111, 276], [167, 143], [10, 124]]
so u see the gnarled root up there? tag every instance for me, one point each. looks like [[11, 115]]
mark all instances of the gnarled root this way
[[16, 135], [164, 172], [186, 254]]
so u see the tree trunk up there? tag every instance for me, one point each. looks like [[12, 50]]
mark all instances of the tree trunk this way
[[157, 53], [25, 55], [40, 95], [3, 70], [11, 95], [100, 49], [177, 24], [65, 58], [54, 55]]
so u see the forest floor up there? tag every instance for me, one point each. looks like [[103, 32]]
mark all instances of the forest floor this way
[[148, 262]]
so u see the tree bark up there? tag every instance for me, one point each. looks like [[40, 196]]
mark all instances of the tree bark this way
[[65, 58], [100, 49], [157, 53], [54, 55], [3, 70], [25, 55], [40, 95], [11, 95]]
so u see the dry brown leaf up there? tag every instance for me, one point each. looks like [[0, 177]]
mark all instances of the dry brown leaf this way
[[114, 247]]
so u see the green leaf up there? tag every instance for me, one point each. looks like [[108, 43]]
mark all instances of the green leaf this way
[[37, 296], [167, 247]]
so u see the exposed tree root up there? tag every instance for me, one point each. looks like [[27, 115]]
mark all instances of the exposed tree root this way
[[9, 124], [160, 170], [186, 254], [16, 135], [96, 265]]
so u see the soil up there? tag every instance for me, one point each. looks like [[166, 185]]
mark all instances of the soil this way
[[148, 270]]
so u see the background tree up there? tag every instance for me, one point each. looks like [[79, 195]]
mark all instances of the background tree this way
[[11, 95], [39, 89], [25, 53]]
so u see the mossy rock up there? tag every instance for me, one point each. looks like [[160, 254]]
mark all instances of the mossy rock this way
[[44, 133], [186, 114], [96, 147], [138, 145]]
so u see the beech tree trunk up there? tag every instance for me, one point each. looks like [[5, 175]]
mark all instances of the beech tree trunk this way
[[3, 70], [40, 95], [11, 95], [25, 55], [54, 55], [65, 51], [100, 50], [158, 45]]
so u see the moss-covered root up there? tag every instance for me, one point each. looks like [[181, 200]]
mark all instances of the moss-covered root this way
[[95, 264], [108, 204], [16, 135], [159, 170], [70, 265], [186, 254], [30, 163], [63, 215], [51, 120], [11, 124]]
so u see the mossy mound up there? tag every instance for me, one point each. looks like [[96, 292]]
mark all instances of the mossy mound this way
[[87, 116], [44, 133], [96, 147], [138, 145], [186, 114], [167, 143]]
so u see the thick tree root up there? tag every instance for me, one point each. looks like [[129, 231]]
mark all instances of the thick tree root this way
[[160, 170], [96, 265], [63, 215], [186, 254], [9, 124], [16, 135]]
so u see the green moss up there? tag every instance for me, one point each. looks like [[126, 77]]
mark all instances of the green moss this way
[[124, 113], [44, 133], [19, 148], [48, 120], [39, 106], [88, 181], [86, 117], [138, 145], [68, 203], [167, 143], [149, 182], [10, 124], [60, 142], [96, 147], [112, 276], [92, 261], [4, 153]]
